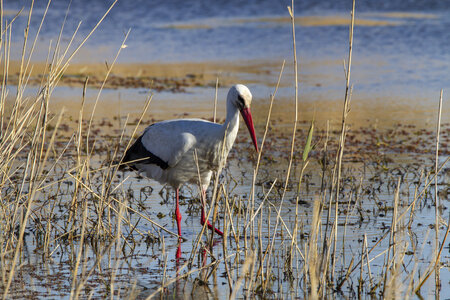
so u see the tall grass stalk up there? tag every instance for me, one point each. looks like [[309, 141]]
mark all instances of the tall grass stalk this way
[[437, 202], [436, 265], [340, 153]]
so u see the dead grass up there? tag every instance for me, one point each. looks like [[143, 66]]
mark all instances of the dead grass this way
[[65, 206]]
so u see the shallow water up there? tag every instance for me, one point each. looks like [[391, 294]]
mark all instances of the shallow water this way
[[404, 56], [139, 264]]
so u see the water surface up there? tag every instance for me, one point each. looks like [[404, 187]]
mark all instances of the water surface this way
[[401, 50]]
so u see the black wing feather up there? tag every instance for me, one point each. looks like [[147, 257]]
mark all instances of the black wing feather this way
[[138, 154]]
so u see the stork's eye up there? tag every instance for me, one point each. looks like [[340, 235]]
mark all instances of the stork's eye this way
[[241, 102]]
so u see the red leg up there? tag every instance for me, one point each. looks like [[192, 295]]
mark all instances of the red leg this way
[[178, 214], [203, 217]]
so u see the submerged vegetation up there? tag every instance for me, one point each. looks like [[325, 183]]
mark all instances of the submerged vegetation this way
[[321, 213]]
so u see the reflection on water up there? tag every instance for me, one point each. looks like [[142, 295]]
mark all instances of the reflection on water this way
[[146, 257]]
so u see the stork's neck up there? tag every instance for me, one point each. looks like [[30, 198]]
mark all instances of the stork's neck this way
[[232, 121]]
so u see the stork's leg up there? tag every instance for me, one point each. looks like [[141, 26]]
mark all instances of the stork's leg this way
[[203, 219], [178, 214]]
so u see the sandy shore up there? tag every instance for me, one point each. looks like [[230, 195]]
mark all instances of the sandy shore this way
[[366, 19]]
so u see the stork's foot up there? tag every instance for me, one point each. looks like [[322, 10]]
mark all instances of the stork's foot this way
[[202, 221]]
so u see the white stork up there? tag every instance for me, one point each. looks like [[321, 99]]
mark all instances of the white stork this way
[[165, 151]]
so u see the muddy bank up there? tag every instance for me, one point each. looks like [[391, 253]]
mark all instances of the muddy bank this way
[[190, 88], [173, 77]]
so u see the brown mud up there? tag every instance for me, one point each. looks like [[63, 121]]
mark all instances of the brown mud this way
[[174, 77]]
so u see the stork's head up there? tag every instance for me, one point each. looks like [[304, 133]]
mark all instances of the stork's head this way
[[240, 97]]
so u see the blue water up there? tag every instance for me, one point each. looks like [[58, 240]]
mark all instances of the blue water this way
[[152, 38], [408, 60]]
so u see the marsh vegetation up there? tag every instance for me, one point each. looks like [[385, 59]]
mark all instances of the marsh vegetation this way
[[320, 212]]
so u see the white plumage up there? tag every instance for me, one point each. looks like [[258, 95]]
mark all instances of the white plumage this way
[[184, 136], [165, 151]]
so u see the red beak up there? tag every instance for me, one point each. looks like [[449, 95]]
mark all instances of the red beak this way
[[247, 115]]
